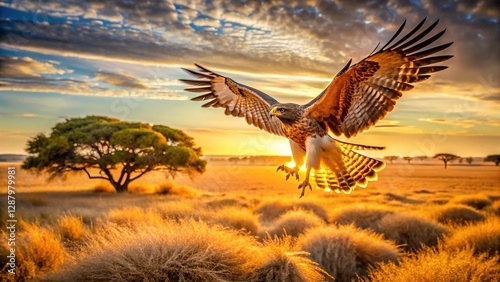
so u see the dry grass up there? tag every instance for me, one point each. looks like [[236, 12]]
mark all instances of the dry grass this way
[[283, 262], [458, 214], [233, 217], [365, 217], [175, 209], [481, 238], [103, 187], [132, 216], [412, 232], [439, 266], [294, 223], [170, 188], [346, 252], [185, 251], [71, 227], [496, 207], [271, 210], [38, 251], [478, 202]]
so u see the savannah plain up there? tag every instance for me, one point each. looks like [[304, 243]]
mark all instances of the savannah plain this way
[[240, 222]]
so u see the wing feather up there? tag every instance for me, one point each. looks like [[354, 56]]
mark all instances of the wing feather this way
[[358, 97], [237, 99]]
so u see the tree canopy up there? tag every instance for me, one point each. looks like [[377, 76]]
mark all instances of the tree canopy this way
[[493, 158], [117, 151], [445, 157]]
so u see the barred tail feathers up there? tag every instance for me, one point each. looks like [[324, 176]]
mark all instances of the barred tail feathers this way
[[343, 169]]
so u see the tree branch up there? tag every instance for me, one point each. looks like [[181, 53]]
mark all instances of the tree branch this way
[[141, 174], [93, 177]]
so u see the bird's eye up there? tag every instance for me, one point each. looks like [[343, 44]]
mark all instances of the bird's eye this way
[[282, 110]]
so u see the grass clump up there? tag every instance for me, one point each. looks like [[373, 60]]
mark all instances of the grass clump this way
[[294, 223], [282, 262], [173, 251], [361, 216], [38, 251], [346, 252], [438, 266], [71, 227], [458, 214], [170, 188], [411, 231], [131, 216], [496, 207], [103, 187], [478, 202], [233, 217], [481, 238], [271, 210]]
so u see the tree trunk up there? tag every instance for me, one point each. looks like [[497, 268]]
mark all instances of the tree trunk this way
[[121, 188], [445, 164]]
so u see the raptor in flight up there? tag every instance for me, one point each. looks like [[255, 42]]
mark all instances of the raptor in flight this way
[[358, 97]]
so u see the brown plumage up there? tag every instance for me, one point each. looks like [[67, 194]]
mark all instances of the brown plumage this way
[[357, 98]]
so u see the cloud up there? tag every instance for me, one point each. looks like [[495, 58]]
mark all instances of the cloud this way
[[464, 123], [26, 67], [121, 80]]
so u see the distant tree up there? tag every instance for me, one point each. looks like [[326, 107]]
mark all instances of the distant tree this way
[[461, 160], [446, 158], [421, 158], [391, 158], [469, 160], [493, 158], [408, 158], [117, 151]]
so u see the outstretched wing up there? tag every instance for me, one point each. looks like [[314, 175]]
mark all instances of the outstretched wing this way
[[238, 100], [363, 94]]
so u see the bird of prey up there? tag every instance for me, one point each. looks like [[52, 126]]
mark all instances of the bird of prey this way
[[357, 98]]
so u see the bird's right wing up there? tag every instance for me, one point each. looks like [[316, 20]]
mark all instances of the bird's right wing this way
[[238, 100]]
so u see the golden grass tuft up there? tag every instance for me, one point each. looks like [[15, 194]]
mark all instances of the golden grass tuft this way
[[71, 227], [175, 209], [103, 187], [38, 251], [233, 217], [483, 237], [294, 223], [271, 210], [364, 217], [172, 251], [170, 188], [346, 252], [458, 214], [478, 202], [282, 262], [438, 266], [132, 216], [411, 231], [140, 188], [496, 207]]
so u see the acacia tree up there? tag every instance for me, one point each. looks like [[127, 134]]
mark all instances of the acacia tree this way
[[408, 158], [421, 158], [493, 158], [117, 151], [469, 160], [391, 158], [446, 158]]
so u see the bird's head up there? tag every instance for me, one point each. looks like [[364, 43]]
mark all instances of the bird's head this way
[[286, 112]]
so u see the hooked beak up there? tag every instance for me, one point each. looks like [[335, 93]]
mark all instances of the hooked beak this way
[[273, 112]]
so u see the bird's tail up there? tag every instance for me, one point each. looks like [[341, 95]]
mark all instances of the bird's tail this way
[[344, 169]]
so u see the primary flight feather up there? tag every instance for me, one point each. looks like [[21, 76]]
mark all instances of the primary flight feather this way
[[358, 97]]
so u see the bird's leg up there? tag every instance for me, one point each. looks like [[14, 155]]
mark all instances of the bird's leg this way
[[306, 183], [289, 171]]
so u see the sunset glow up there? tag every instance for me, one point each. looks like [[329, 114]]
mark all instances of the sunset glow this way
[[75, 59]]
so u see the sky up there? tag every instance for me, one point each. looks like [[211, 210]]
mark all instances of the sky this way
[[123, 59]]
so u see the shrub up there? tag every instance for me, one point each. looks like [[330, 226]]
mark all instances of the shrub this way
[[360, 216], [458, 214], [170, 188], [283, 263], [271, 210], [483, 237], [71, 227], [104, 187], [346, 252], [38, 250], [478, 202], [438, 266], [172, 251], [233, 217], [140, 188], [294, 223], [411, 231], [314, 208]]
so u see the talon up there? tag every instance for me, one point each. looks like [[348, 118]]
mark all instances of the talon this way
[[289, 171], [304, 185]]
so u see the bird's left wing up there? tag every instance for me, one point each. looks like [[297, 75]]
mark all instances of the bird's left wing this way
[[238, 100], [364, 93]]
